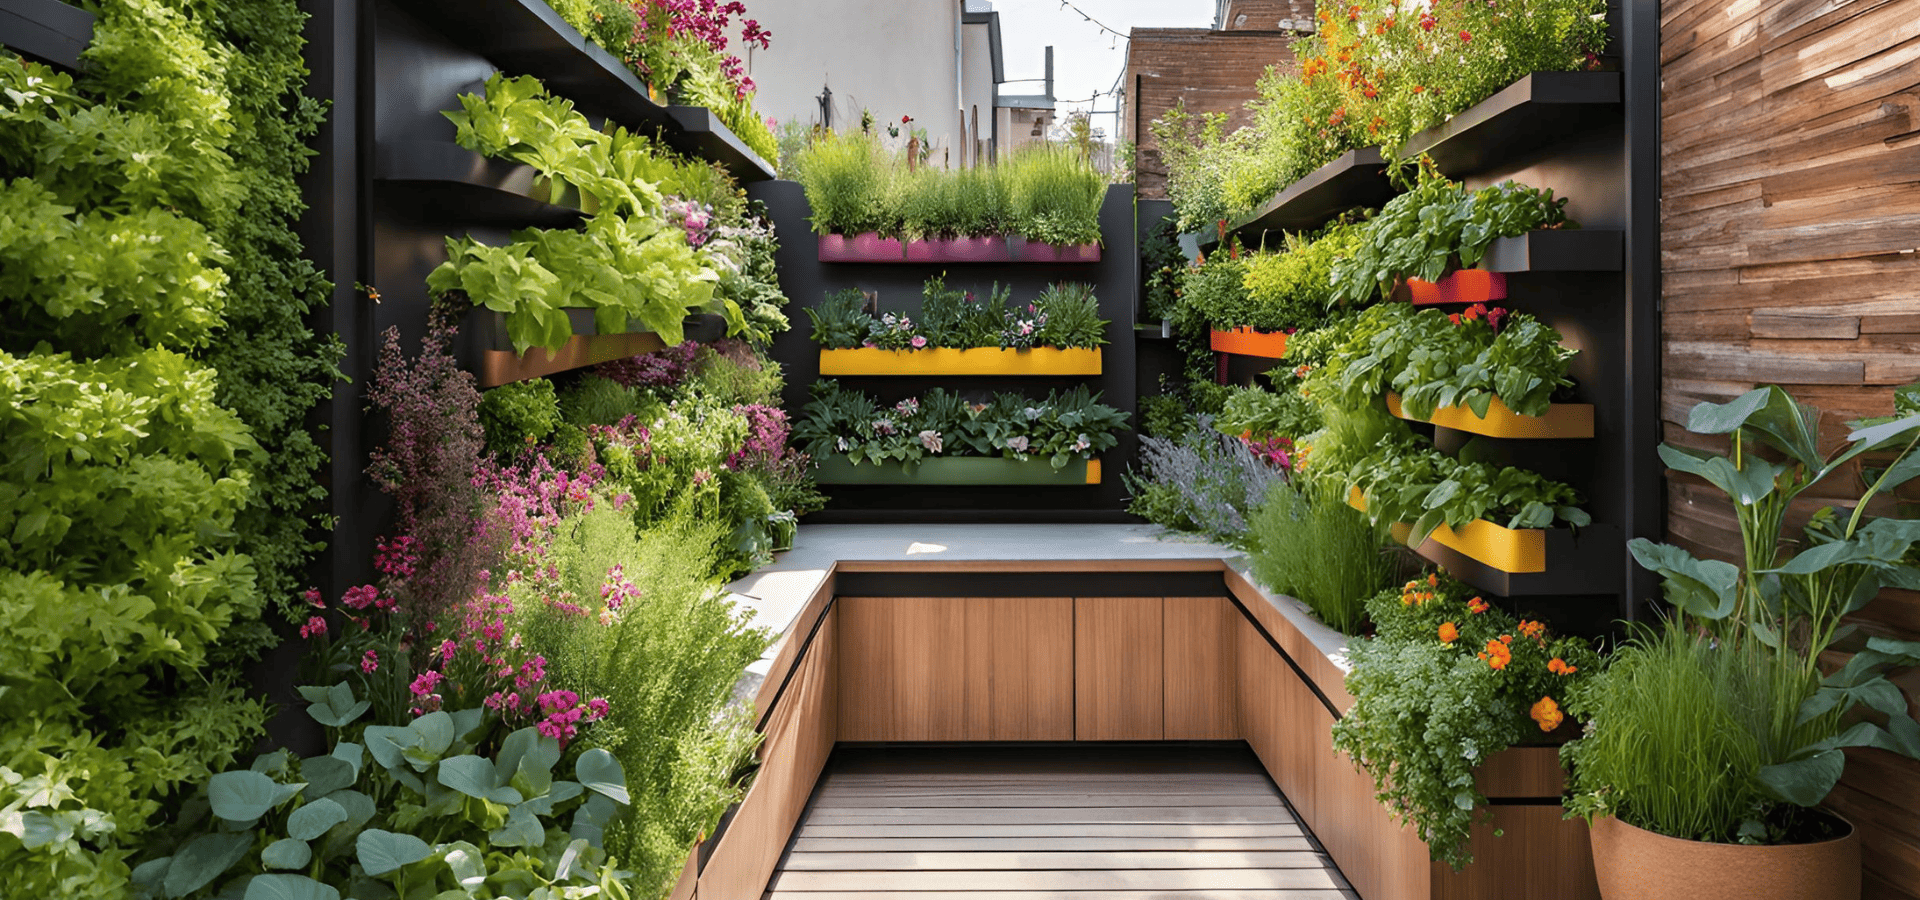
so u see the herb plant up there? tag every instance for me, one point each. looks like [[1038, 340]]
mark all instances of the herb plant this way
[[1051, 195], [1064, 315], [1204, 482], [1437, 225], [1435, 359], [1305, 541], [1446, 682], [1407, 481], [1059, 429]]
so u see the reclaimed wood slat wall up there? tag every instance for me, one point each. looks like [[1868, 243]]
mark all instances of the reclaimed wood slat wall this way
[[1790, 184]]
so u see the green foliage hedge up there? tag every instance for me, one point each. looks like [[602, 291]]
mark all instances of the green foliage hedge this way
[[156, 482]]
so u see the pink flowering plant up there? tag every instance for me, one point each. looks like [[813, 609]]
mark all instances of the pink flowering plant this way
[[1064, 315]]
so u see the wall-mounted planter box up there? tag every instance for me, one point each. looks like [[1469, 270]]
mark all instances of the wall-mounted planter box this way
[[1520, 562], [52, 32], [1459, 286], [869, 247], [1247, 342], [960, 470], [526, 37], [973, 361], [1358, 178], [1533, 112], [1027, 251], [1562, 421], [1578, 250], [485, 334], [454, 184]]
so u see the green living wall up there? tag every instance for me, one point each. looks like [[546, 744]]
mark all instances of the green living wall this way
[[156, 476]]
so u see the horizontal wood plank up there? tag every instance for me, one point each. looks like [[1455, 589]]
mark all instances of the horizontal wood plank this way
[[1047, 844], [1108, 880], [1115, 815], [1274, 894], [1052, 860]]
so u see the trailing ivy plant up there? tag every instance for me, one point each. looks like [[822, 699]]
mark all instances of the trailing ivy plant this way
[[413, 810], [1059, 429], [1439, 225]]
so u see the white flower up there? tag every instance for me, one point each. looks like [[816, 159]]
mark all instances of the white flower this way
[[1017, 444], [931, 440]]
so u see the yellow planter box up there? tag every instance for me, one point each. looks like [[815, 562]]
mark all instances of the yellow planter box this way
[[972, 361], [1517, 551], [1562, 421]]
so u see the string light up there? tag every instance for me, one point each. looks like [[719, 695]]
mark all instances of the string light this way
[[1118, 35]]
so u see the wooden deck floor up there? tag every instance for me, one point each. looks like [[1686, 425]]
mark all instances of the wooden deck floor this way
[[1054, 823]]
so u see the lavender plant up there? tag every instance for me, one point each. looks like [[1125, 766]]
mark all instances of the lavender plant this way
[[1206, 482]]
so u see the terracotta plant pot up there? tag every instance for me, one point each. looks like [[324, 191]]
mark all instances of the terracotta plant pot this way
[[1636, 864]]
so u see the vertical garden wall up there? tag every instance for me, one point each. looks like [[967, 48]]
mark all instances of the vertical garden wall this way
[[160, 493]]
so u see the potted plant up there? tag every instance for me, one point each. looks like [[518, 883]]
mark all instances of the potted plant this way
[[1713, 739]]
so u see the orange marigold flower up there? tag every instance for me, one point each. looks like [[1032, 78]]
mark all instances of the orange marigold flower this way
[[1547, 713], [1433, 580], [1559, 666], [1476, 605], [1533, 629], [1498, 655], [1419, 88], [1449, 632], [1506, 639]]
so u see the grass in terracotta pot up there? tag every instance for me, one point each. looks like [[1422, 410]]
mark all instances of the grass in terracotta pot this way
[[1721, 726]]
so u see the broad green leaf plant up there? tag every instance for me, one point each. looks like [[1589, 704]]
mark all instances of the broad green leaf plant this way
[[1788, 597], [628, 263], [413, 811]]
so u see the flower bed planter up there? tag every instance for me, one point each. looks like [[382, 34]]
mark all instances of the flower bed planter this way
[[960, 470], [1462, 286], [1290, 669], [1247, 342], [870, 247], [972, 361], [1506, 549], [1562, 421]]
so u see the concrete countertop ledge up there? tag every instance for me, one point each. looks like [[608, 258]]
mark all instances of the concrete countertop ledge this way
[[773, 596]]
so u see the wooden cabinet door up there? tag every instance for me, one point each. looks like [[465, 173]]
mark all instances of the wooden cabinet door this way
[[1117, 652], [1200, 675], [956, 669]]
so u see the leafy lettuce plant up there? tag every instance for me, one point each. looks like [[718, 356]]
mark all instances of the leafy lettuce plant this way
[[629, 263], [1435, 359], [1439, 225], [429, 815], [1405, 480]]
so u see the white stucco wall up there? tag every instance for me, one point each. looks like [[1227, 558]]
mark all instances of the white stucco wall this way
[[978, 88], [892, 57]]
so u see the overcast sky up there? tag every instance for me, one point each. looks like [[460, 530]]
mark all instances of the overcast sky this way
[[1086, 59]]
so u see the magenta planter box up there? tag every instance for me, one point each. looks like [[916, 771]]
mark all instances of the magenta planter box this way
[[1034, 252], [872, 248]]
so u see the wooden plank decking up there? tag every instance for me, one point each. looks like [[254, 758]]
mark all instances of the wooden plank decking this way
[[1051, 823]]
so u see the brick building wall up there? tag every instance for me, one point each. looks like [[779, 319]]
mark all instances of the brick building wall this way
[[1265, 15], [1213, 71]]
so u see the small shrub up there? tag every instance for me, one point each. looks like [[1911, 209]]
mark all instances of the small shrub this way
[[516, 416], [1308, 543]]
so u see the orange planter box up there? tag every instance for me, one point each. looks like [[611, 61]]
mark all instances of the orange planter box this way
[[1563, 420], [1463, 286], [1518, 551], [1247, 342]]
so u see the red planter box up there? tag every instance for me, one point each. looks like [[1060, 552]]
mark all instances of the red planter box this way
[[1247, 342], [1463, 286]]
